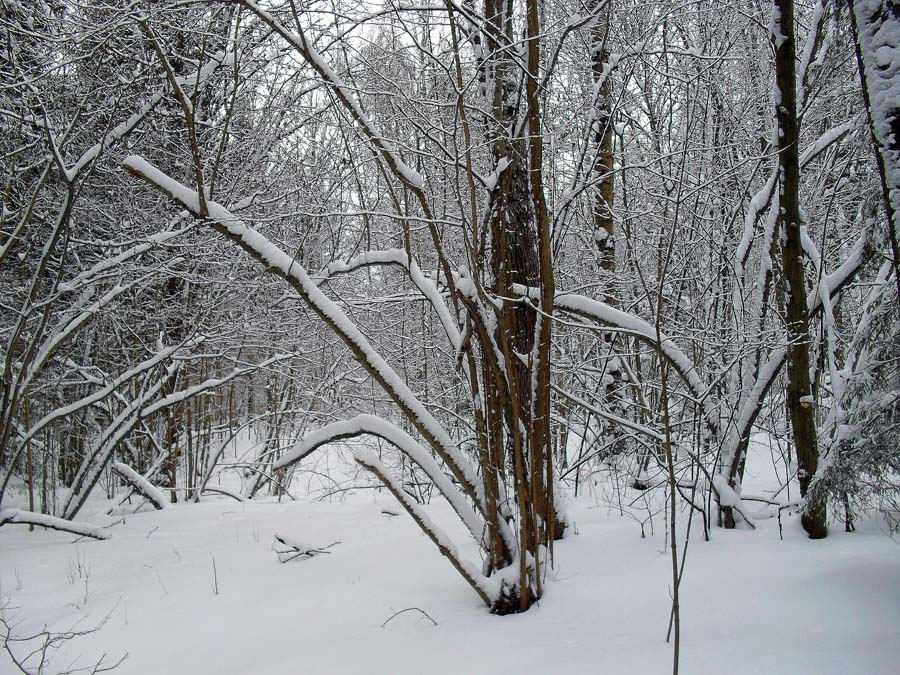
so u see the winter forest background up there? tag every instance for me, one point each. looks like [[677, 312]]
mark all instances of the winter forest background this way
[[604, 294]]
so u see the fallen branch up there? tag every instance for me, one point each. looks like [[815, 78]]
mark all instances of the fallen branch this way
[[223, 491], [294, 549], [33, 653], [19, 517]]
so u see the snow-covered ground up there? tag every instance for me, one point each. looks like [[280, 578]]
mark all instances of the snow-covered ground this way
[[751, 602]]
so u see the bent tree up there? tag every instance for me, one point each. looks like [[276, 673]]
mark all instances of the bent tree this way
[[501, 343], [481, 232], [448, 137]]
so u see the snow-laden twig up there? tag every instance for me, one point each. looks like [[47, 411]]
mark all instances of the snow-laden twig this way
[[209, 384], [409, 609], [752, 401], [728, 497], [294, 549], [303, 45], [103, 448], [399, 257], [617, 318]]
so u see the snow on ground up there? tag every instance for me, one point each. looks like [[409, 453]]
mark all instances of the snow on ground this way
[[751, 603]]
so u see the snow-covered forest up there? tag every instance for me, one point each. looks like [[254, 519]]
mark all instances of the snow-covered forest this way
[[335, 332]]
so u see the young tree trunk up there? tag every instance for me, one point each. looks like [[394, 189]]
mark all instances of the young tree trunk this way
[[799, 389], [604, 229], [603, 158]]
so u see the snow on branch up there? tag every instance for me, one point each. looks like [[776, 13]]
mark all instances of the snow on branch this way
[[207, 385], [78, 321], [768, 371], [147, 365], [281, 264], [141, 485], [105, 445], [621, 421], [877, 26], [293, 549], [727, 497], [616, 318], [486, 588], [376, 426], [764, 196], [300, 42], [396, 256], [88, 276], [217, 61], [19, 517]]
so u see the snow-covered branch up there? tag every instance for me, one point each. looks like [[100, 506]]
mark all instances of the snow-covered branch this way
[[19, 517], [485, 588], [286, 267], [381, 428]]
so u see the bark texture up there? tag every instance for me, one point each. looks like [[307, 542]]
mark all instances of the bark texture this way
[[800, 400]]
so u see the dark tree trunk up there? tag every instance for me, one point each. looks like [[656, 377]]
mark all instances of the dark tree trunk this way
[[799, 390]]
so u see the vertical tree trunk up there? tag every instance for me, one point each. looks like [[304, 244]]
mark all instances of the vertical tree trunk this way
[[603, 158], [517, 410], [799, 389], [604, 229], [874, 28]]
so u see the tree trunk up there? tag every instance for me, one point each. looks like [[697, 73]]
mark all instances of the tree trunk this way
[[602, 203], [799, 390], [873, 31]]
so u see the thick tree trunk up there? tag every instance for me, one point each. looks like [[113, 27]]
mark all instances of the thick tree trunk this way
[[799, 390], [876, 26], [518, 423]]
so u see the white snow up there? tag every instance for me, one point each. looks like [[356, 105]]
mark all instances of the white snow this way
[[751, 603]]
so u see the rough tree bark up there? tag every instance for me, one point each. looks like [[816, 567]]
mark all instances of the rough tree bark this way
[[799, 389]]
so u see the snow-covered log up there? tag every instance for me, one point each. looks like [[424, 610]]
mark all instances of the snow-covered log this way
[[19, 517]]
